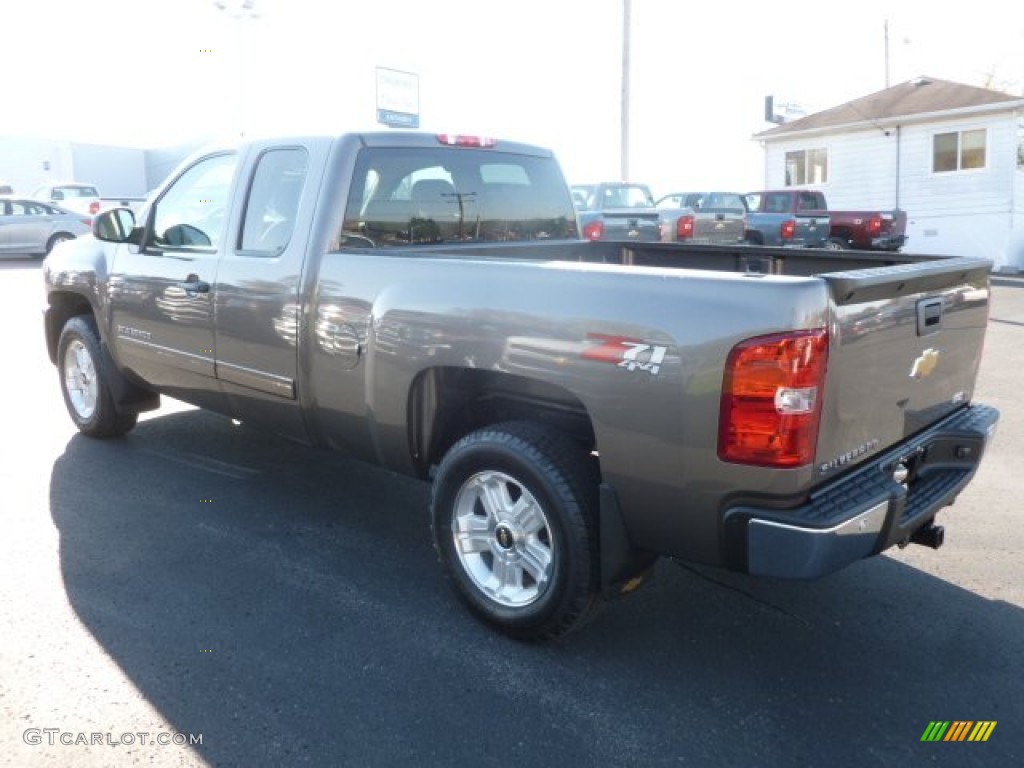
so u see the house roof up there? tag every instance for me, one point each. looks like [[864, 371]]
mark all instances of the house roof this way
[[920, 96]]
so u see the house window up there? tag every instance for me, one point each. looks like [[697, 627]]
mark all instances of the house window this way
[[806, 166], [958, 151]]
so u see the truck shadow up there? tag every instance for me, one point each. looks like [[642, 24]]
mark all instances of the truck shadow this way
[[287, 605]]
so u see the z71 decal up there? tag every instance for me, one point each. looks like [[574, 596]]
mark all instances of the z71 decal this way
[[624, 352]]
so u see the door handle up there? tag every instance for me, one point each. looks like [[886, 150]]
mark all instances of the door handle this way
[[194, 286]]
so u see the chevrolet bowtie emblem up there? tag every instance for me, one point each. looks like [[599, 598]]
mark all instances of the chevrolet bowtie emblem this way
[[925, 364]]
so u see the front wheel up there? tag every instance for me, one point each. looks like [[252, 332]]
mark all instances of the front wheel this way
[[514, 522], [84, 381]]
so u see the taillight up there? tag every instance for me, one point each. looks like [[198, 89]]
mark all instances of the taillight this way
[[87, 222], [684, 227], [457, 140], [771, 399], [788, 229], [593, 230], [875, 225], [94, 207]]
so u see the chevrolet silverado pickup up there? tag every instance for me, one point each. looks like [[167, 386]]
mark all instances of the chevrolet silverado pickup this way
[[795, 216], [581, 408], [788, 220], [616, 210], [708, 218]]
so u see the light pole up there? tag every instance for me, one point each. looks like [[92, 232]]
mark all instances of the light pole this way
[[239, 10], [624, 132]]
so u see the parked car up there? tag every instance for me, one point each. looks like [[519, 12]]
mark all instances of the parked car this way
[[702, 217], [31, 228], [616, 210], [71, 195]]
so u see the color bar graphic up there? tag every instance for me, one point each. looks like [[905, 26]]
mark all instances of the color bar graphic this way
[[958, 730]]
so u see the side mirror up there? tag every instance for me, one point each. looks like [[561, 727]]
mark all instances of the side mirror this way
[[116, 226]]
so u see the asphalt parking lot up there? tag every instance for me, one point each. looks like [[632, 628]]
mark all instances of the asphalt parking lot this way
[[197, 579]]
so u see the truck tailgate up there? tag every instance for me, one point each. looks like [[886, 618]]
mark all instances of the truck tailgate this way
[[631, 224], [906, 343], [811, 230]]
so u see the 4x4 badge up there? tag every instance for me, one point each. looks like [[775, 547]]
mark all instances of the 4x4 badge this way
[[624, 352]]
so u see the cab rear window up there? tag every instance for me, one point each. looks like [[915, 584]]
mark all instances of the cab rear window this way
[[423, 196]]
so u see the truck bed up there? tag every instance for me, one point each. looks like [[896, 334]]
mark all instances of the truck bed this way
[[744, 259]]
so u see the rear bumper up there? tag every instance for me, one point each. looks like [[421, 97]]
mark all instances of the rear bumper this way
[[893, 243], [866, 510]]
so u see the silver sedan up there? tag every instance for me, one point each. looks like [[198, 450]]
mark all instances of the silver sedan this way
[[31, 228]]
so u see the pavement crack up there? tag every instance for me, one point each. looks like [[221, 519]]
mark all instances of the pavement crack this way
[[761, 602]]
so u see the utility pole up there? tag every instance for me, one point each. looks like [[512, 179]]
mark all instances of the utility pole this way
[[624, 132], [239, 11], [886, 53]]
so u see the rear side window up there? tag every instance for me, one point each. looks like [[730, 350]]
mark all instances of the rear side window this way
[[71, 192], [423, 196], [273, 201], [724, 201]]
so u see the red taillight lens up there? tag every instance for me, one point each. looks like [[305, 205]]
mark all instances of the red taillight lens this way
[[788, 229], [457, 140], [875, 225], [94, 207], [771, 399], [593, 230], [684, 228], [87, 222]]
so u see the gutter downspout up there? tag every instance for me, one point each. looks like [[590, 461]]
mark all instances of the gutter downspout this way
[[899, 147]]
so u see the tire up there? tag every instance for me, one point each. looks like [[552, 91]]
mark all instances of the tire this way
[[514, 520], [836, 244], [60, 237], [85, 381]]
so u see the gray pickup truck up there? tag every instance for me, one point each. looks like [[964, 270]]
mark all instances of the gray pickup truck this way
[[426, 303], [787, 218], [616, 210], [710, 218]]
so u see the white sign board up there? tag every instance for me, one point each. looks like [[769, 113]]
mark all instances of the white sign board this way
[[398, 98]]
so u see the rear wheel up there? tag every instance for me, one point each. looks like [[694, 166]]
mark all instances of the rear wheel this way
[[85, 382], [60, 237], [836, 244], [514, 523]]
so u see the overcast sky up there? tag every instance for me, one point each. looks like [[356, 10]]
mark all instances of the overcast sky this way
[[157, 72]]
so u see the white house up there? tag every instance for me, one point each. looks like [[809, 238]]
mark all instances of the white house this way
[[950, 155]]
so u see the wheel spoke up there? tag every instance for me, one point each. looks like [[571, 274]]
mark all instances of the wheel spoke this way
[[536, 560], [473, 534], [527, 515], [508, 577], [495, 499]]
